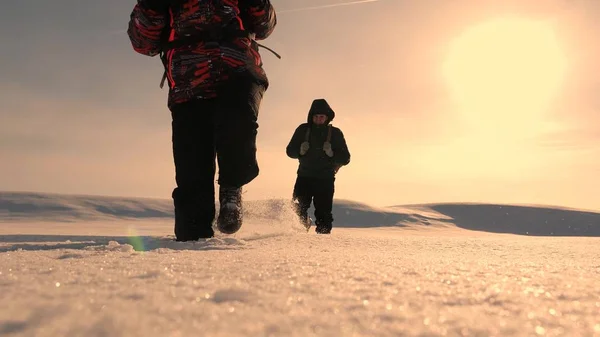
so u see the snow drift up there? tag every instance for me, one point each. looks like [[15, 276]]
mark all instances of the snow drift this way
[[107, 266]]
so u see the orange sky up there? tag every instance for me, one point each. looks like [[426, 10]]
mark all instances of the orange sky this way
[[82, 113]]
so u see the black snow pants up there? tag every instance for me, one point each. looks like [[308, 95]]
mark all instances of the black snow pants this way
[[319, 191], [222, 128]]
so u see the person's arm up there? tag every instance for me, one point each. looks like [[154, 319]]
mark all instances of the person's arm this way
[[341, 154], [258, 17], [293, 148], [146, 24]]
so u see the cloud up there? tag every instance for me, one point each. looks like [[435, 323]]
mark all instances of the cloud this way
[[309, 8]]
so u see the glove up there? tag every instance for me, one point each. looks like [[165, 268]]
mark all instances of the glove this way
[[327, 149], [161, 6], [304, 148]]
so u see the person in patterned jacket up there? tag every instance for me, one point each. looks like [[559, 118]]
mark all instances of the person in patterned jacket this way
[[216, 84]]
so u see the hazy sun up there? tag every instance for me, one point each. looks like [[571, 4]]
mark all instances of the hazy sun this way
[[504, 73]]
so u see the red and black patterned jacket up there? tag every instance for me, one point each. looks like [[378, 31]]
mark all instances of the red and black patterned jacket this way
[[195, 69]]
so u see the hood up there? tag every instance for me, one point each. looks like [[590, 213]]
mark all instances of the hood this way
[[320, 106]]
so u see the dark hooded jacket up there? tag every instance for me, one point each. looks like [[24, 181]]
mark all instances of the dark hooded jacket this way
[[315, 163]]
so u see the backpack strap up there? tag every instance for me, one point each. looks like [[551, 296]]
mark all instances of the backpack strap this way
[[307, 135], [164, 40], [163, 58], [329, 133]]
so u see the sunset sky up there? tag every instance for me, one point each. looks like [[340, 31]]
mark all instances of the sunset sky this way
[[439, 101]]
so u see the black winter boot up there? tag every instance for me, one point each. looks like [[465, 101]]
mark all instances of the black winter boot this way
[[187, 229], [193, 216], [323, 228], [230, 213]]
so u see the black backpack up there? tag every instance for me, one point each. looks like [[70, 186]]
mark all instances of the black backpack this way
[[217, 34]]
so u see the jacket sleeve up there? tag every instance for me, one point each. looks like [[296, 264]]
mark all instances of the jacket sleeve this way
[[259, 18], [341, 154], [145, 28], [293, 148]]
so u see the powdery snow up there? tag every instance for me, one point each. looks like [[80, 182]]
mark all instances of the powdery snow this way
[[126, 277]]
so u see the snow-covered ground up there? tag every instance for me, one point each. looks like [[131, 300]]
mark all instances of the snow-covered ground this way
[[90, 266]]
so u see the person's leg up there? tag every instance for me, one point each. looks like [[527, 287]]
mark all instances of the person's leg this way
[[194, 157], [324, 190], [236, 131], [302, 198]]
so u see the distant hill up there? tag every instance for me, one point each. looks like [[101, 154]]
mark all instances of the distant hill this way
[[515, 219]]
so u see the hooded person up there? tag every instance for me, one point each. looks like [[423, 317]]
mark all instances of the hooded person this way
[[321, 150]]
